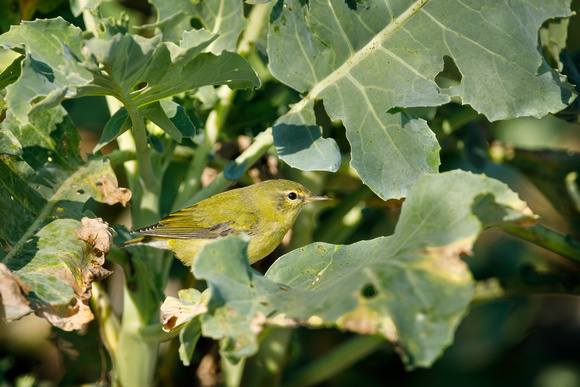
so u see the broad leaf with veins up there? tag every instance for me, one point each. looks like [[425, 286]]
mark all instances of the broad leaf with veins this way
[[364, 58]]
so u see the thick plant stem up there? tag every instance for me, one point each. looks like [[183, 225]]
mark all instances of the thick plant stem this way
[[135, 360], [339, 359], [146, 210], [233, 372], [549, 239]]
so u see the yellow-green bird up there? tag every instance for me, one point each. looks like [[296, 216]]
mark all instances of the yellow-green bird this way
[[265, 211]]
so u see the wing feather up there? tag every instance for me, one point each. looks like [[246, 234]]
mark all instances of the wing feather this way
[[194, 223]]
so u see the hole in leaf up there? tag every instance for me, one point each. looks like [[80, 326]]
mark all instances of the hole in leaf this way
[[80, 192], [368, 291], [351, 4], [450, 76], [196, 23], [395, 110]]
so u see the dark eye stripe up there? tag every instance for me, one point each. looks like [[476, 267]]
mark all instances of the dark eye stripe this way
[[292, 196]]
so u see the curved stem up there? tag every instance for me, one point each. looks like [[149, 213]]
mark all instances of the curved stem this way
[[542, 236]]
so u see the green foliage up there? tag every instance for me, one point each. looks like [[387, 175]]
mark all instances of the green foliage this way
[[365, 59], [45, 184], [411, 287], [376, 84]]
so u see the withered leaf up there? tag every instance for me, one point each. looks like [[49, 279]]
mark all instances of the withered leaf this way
[[11, 289], [96, 233], [111, 193]]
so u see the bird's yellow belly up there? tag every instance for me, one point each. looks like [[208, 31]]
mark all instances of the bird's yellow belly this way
[[259, 247], [187, 249]]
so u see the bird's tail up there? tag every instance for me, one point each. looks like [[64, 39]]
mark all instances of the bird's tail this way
[[135, 242], [148, 240]]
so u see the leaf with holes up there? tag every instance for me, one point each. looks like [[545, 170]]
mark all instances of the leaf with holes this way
[[43, 190], [411, 287], [362, 59], [48, 73], [60, 64]]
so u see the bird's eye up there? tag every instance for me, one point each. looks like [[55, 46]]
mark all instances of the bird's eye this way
[[292, 196]]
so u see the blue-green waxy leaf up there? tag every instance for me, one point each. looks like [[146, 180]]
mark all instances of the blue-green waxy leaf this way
[[165, 68], [412, 287], [299, 142], [188, 338], [364, 58], [129, 67], [225, 18], [77, 6], [46, 74], [156, 143]]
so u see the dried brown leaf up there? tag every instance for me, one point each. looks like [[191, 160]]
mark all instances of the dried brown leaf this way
[[97, 234], [111, 193], [11, 289], [73, 317], [176, 312]]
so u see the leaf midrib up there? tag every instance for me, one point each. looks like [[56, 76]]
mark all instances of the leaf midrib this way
[[355, 59]]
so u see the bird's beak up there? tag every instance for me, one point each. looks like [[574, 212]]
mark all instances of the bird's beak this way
[[315, 198]]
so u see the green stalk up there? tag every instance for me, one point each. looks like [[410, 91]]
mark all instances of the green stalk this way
[[146, 210], [232, 372], [135, 359], [259, 147], [342, 357], [542, 236], [108, 321]]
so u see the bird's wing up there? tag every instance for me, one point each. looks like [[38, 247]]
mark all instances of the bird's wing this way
[[189, 223]]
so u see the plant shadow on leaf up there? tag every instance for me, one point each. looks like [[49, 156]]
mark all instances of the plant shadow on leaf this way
[[26, 255], [43, 69], [304, 137], [488, 211]]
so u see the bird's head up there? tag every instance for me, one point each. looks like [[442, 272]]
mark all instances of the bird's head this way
[[286, 198]]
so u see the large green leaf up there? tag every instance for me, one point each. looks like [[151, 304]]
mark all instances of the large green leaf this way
[[135, 70], [48, 75], [412, 287], [43, 188], [365, 58]]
